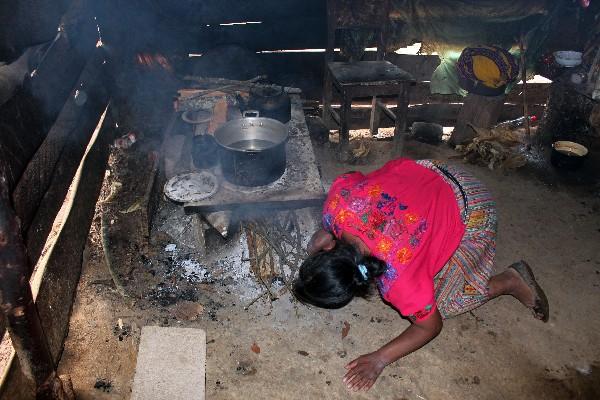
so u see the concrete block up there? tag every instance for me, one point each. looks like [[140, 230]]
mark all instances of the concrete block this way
[[170, 365]]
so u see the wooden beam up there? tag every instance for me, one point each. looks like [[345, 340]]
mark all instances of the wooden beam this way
[[61, 65], [21, 132], [81, 130], [306, 71], [257, 208], [54, 290], [52, 80], [17, 301], [63, 265], [386, 110], [58, 156], [479, 111], [443, 114], [223, 11], [269, 35], [312, 64]]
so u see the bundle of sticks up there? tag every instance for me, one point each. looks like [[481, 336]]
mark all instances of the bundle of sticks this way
[[275, 251], [495, 148], [204, 93]]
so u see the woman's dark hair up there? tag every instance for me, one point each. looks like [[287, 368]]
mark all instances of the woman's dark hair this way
[[330, 279]]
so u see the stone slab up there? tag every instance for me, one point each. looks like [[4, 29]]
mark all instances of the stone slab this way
[[170, 365]]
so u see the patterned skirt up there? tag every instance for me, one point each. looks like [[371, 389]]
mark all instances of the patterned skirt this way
[[462, 284]]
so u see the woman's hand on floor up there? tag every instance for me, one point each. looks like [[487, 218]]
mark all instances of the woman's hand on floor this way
[[363, 371]]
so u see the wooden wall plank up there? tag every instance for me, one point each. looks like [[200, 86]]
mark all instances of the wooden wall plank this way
[[63, 267], [21, 131], [219, 11], [61, 65], [268, 35], [66, 135], [81, 128], [16, 386], [27, 117], [440, 113], [305, 70], [56, 291]]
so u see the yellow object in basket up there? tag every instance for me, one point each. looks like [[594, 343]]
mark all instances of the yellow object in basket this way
[[487, 71]]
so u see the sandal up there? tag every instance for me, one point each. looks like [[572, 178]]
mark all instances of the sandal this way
[[541, 308]]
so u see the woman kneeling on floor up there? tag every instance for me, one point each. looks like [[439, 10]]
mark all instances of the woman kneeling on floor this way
[[425, 232]]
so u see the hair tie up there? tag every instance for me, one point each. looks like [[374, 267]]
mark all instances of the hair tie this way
[[362, 268]]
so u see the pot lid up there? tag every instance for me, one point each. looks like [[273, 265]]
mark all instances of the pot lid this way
[[193, 186], [251, 134]]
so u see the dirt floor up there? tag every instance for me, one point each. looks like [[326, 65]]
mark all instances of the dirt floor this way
[[285, 350]]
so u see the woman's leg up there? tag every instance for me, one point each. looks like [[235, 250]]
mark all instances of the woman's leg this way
[[511, 283], [518, 281], [466, 281]]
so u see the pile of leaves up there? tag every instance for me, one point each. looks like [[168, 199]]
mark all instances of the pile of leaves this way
[[496, 148]]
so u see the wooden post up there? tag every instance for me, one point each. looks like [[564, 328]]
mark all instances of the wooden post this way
[[345, 115], [524, 79], [479, 111], [401, 120], [329, 56], [23, 322], [375, 117]]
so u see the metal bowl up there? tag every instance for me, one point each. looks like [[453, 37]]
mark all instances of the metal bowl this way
[[568, 58], [568, 155]]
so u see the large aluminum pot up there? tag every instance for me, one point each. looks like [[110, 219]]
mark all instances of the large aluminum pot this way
[[252, 149]]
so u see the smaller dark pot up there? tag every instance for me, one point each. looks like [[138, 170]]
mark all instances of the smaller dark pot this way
[[271, 102], [568, 155], [204, 151]]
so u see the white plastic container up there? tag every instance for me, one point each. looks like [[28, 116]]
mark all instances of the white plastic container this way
[[568, 58]]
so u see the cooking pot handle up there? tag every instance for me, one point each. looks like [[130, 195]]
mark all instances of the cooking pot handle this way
[[250, 113]]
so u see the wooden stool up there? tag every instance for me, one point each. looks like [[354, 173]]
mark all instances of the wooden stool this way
[[363, 78]]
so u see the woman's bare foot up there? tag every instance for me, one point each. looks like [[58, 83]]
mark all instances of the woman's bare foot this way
[[541, 308], [518, 281], [520, 290]]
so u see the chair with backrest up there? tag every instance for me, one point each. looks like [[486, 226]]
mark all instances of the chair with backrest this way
[[363, 79]]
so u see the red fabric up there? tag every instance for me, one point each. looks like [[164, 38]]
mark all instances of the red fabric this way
[[408, 217]]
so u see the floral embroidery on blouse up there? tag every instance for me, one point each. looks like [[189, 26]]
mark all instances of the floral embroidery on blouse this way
[[385, 281], [404, 255], [380, 217], [377, 220], [358, 204], [415, 237], [328, 222], [391, 213], [335, 202], [384, 246], [394, 229], [411, 218], [374, 191], [386, 204], [343, 216]]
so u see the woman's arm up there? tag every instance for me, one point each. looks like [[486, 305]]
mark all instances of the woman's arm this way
[[363, 372]]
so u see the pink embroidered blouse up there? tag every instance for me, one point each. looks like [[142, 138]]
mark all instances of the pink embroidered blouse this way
[[408, 217]]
